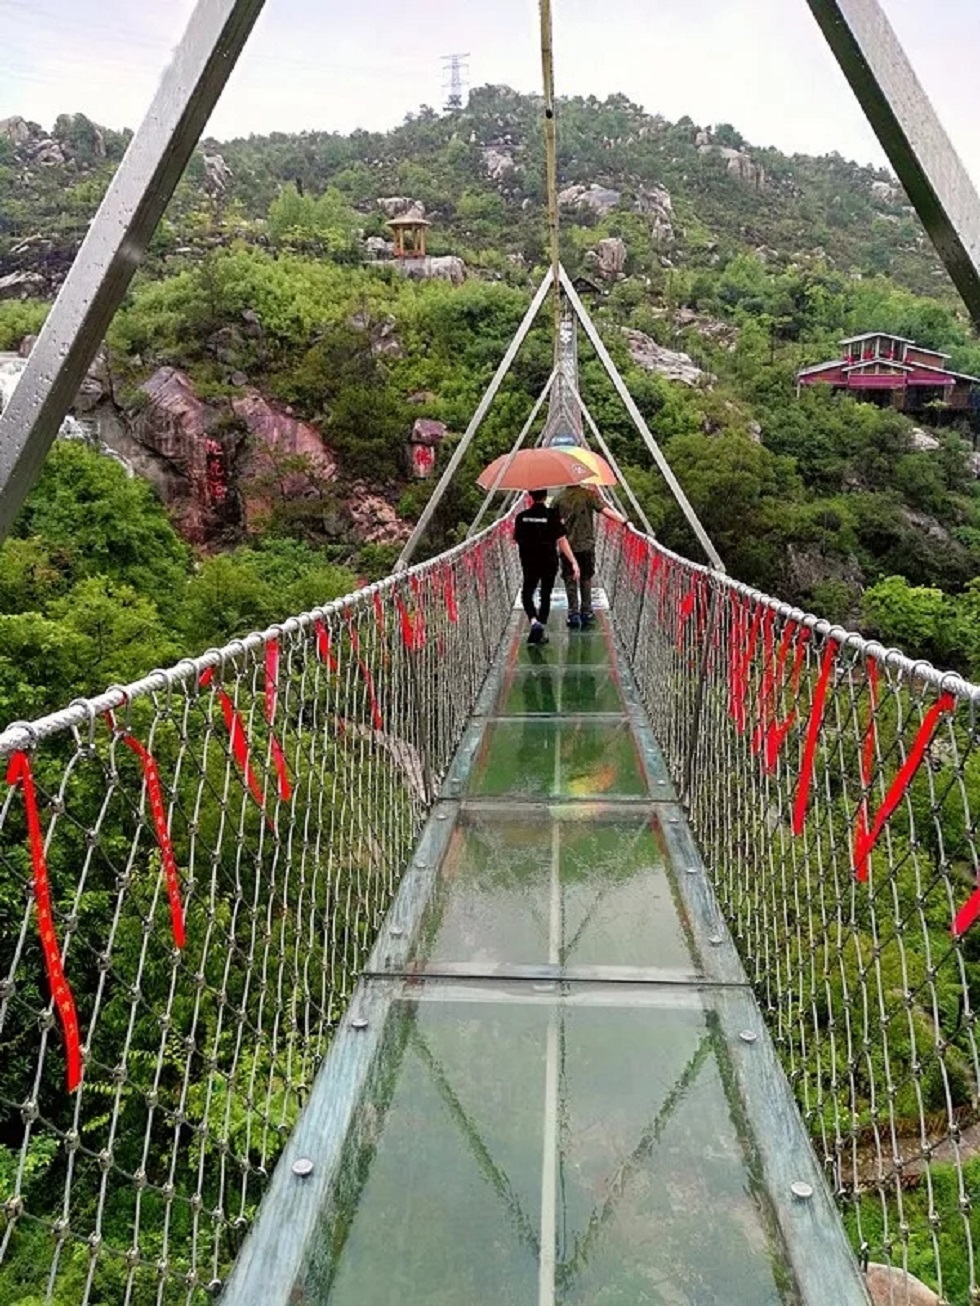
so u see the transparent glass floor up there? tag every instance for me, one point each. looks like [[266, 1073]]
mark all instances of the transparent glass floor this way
[[554, 1084]]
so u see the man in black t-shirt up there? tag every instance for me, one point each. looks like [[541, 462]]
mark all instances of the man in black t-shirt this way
[[539, 533]]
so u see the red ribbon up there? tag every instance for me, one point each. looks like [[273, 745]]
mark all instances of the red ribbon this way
[[239, 738], [768, 692], [404, 617], [776, 731], [866, 842], [326, 654], [743, 652], [19, 772], [379, 611], [271, 701], [323, 648], [377, 720], [686, 609], [449, 593], [812, 733], [865, 762], [154, 792]]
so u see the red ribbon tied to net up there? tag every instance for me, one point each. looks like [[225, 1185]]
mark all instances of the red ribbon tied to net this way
[[377, 719], [449, 593], [271, 702], [239, 738], [154, 794], [812, 735], [776, 730], [19, 772], [865, 839]]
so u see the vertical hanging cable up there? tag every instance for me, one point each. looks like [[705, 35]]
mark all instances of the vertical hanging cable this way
[[551, 155]]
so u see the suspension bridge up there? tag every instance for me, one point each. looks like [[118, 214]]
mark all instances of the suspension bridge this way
[[377, 957]]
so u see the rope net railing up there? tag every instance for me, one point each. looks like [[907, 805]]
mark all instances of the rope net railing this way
[[834, 789], [194, 869]]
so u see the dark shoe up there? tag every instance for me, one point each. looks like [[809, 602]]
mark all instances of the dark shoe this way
[[574, 621], [536, 635], [588, 618]]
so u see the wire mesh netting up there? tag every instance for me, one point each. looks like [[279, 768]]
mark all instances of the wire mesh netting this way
[[834, 788], [194, 869]]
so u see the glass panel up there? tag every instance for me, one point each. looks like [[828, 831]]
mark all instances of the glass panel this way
[[598, 1127], [551, 759], [549, 689], [659, 1201], [493, 903], [577, 647], [445, 1206]]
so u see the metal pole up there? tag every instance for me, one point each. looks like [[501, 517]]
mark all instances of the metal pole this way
[[525, 429], [884, 81], [692, 518], [421, 525], [116, 241], [610, 459]]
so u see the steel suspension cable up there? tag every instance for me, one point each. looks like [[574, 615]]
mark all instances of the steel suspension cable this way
[[551, 154]]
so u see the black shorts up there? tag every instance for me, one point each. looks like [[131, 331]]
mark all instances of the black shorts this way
[[586, 564]]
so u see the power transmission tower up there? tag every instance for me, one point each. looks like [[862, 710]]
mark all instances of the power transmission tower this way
[[454, 66]]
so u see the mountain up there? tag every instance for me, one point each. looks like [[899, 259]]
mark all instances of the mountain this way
[[270, 362]]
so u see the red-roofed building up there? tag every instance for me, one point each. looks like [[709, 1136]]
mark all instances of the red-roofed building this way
[[888, 370]]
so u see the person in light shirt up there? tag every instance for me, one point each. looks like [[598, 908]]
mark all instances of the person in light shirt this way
[[578, 507]]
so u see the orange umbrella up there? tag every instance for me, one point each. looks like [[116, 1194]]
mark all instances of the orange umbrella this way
[[536, 469], [602, 473]]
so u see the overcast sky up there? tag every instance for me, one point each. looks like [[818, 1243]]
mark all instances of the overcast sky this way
[[759, 64]]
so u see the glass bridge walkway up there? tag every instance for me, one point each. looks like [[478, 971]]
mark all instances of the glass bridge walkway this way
[[554, 1084]]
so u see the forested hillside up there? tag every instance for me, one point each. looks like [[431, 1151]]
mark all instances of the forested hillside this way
[[269, 289]]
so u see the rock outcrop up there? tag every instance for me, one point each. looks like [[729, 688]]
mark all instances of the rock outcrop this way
[[498, 160], [922, 441], [740, 164], [374, 520], [602, 200], [609, 258], [443, 267], [217, 175], [668, 363], [393, 206], [889, 1286], [658, 206], [18, 131], [282, 452], [176, 425]]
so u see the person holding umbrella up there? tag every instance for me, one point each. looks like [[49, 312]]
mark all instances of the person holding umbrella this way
[[539, 530], [539, 533]]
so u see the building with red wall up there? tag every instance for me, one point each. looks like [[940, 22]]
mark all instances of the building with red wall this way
[[893, 372]]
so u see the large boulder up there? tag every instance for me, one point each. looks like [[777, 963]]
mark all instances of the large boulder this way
[[217, 175], [282, 451], [374, 520], [740, 164], [600, 199], [393, 206], [609, 258], [21, 285], [889, 1286], [657, 205], [16, 130], [443, 267], [178, 427], [922, 441], [498, 160], [668, 363]]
